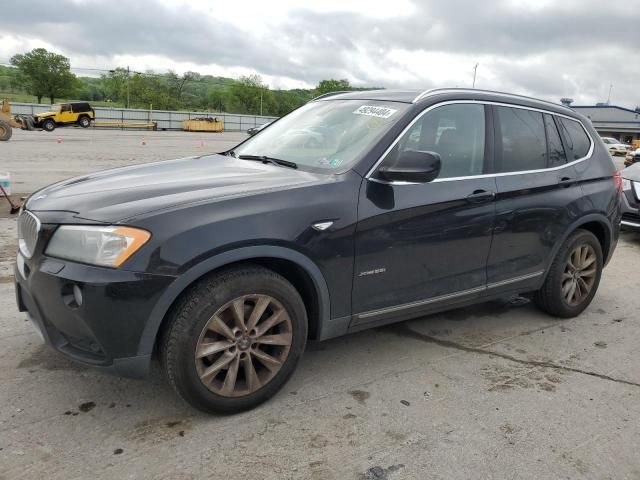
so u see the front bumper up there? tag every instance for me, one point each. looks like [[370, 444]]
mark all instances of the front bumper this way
[[106, 328]]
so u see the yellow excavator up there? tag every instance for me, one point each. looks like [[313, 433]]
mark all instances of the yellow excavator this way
[[9, 122]]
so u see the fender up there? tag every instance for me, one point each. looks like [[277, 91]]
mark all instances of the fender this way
[[592, 217], [147, 342]]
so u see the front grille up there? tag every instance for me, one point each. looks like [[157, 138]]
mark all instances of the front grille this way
[[28, 229]]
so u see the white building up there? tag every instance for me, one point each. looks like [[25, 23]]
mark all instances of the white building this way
[[611, 121]]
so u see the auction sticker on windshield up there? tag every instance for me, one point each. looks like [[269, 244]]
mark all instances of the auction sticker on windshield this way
[[372, 111]]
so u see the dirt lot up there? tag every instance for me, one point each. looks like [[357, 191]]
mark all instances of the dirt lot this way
[[494, 391]]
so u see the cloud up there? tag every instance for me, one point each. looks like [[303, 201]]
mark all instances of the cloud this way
[[543, 48]]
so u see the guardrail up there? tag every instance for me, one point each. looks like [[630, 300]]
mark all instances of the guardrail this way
[[165, 119]]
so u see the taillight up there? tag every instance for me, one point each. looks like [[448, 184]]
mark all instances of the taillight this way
[[617, 181]]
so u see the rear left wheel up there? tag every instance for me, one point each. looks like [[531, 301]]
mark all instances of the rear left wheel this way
[[573, 278], [234, 339], [84, 121]]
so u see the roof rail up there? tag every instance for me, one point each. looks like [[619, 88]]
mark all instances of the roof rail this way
[[328, 94], [434, 91], [423, 94]]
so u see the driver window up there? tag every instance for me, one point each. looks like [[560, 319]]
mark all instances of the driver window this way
[[455, 132], [65, 108]]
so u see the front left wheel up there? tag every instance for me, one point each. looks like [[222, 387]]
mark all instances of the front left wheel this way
[[234, 339], [48, 125]]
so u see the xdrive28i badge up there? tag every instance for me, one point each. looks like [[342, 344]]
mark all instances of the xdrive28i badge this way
[[372, 272]]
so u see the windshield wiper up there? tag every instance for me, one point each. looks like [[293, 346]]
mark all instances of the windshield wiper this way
[[265, 159]]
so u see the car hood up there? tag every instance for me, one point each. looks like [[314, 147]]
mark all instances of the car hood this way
[[116, 195], [45, 114], [632, 172]]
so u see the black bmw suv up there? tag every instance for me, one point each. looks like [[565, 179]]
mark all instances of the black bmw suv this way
[[356, 210]]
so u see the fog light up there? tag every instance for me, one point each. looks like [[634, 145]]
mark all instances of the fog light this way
[[77, 295]]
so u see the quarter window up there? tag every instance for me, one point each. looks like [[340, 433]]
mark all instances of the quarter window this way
[[578, 142], [556, 150], [522, 141], [455, 132]]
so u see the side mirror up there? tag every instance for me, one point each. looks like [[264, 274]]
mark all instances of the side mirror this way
[[413, 166]]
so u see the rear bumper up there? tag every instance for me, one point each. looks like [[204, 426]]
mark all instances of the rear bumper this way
[[105, 329]]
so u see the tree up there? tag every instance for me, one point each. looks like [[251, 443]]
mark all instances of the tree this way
[[45, 73], [250, 95], [177, 82], [331, 85], [115, 84]]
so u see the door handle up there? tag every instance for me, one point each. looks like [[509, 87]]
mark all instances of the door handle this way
[[566, 181], [481, 196]]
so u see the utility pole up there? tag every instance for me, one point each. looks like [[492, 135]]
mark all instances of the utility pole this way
[[261, 90], [609, 97], [127, 86], [475, 71]]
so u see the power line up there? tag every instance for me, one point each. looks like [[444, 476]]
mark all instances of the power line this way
[[7, 63]]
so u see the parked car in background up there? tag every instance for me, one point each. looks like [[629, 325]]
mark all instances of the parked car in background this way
[[60, 115], [615, 146], [253, 130], [632, 157], [631, 197], [398, 204]]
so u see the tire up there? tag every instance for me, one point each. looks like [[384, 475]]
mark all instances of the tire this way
[[556, 297], [84, 121], [202, 382], [48, 125], [5, 131]]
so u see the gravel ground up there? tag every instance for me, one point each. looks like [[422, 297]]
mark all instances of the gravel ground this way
[[36, 159], [492, 391]]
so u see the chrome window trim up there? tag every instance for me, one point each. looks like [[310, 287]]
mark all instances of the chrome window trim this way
[[448, 296], [486, 175]]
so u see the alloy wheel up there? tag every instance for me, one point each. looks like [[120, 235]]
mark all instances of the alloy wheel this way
[[579, 274], [243, 345]]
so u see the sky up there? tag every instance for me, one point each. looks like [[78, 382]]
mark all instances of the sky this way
[[545, 48]]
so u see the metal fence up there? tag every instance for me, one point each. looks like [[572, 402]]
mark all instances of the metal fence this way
[[166, 120]]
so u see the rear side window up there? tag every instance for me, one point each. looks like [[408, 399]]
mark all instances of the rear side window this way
[[522, 142], [556, 150], [578, 143], [80, 107]]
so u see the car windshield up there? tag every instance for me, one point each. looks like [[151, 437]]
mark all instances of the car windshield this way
[[325, 135]]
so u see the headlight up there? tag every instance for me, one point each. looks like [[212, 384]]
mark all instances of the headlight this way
[[626, 184], [104, 246]]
